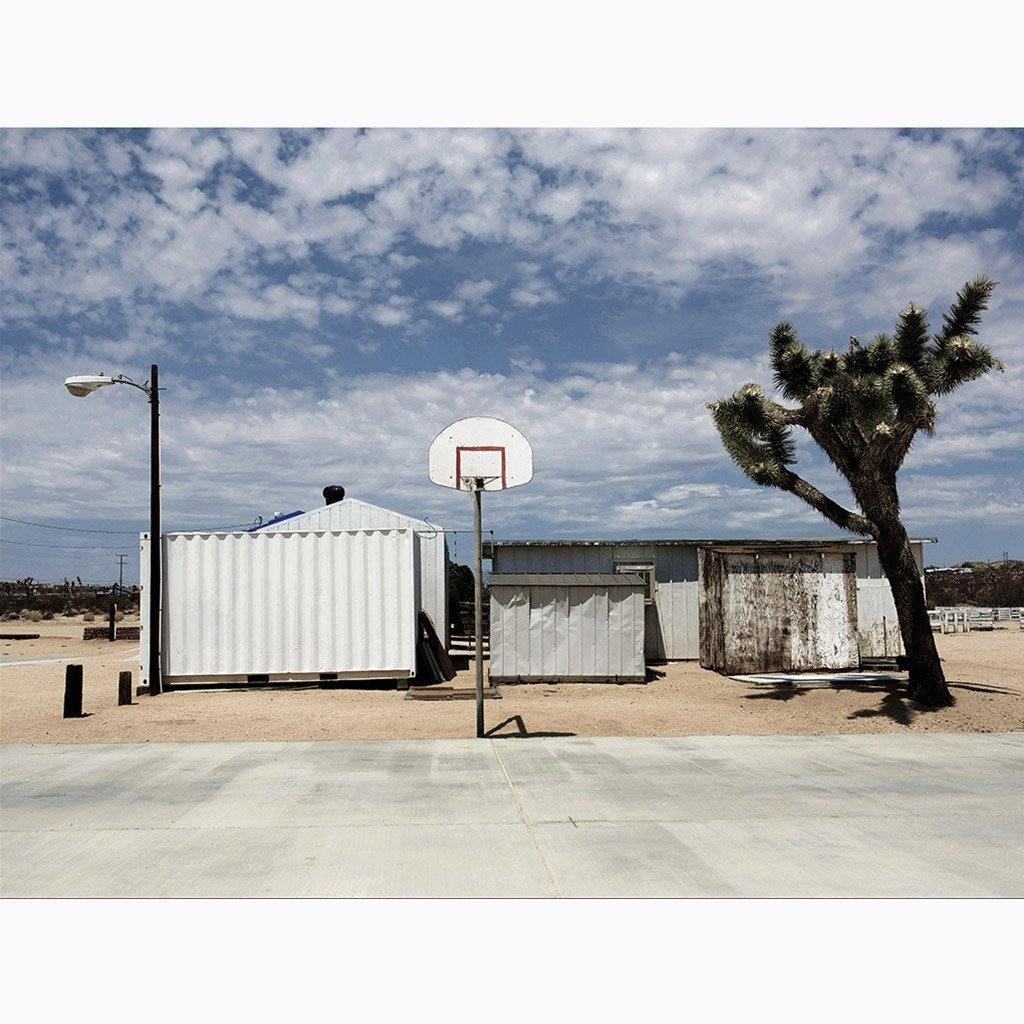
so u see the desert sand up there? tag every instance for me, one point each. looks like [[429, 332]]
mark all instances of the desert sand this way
[[985, 670]]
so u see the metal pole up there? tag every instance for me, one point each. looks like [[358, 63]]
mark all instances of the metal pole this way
[[478, 597], [155, 541]]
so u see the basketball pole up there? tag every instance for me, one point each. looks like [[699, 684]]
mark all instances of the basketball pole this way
[[478, 598]]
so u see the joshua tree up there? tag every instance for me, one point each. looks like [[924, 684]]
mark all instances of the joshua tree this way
[[863, 409]]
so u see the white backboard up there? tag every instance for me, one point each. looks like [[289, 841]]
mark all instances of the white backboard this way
[[480, 448]]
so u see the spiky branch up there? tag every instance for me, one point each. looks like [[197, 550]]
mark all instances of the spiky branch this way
[[863, 407]]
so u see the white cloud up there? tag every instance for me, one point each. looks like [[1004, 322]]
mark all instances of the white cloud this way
[[450, 309], [828, 219], [618, 448], [391, 314], [474, 291], [239, 230]]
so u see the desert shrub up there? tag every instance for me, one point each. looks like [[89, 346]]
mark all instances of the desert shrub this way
[[48, 613], [88, 617], [32, 615], [118, 615]]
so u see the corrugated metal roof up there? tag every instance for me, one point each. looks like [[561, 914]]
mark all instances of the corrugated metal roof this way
[[697, 541], [566, 579]]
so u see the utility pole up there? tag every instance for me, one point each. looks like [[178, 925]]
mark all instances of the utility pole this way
[[120, 571]]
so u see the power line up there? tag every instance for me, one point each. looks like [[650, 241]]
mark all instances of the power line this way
[[74, 529], [127, 533], [57, 547]]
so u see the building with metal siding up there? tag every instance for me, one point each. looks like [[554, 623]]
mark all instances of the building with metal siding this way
[[567, 627], [432, 548], [673, 615], [671, 632], [287, 605]]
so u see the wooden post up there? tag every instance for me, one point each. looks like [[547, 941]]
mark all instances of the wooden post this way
[[73, 691], [124, 689], [112, 622]]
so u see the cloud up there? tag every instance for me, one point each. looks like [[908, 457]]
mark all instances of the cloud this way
[[619, 448], [474, 291], [822, 217], [268, 271], [450, 309]]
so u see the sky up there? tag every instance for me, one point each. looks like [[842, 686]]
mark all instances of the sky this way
[[322, 303]]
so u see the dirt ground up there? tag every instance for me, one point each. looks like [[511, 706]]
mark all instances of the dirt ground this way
[[985, 670]]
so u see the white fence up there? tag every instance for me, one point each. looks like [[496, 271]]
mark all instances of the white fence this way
[[965, 619]]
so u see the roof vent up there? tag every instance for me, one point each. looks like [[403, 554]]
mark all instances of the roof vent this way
[[333, 493]]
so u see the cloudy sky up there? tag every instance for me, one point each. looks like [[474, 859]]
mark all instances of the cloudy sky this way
[[322, 303]]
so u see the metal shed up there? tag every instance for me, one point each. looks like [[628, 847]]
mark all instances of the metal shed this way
[[285, 606], [429, 540], [567, 627], [671, 571]]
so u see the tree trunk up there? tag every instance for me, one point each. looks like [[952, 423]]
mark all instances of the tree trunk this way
[[927, 682]]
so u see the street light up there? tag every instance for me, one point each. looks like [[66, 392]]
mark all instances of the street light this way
[[82, 387]]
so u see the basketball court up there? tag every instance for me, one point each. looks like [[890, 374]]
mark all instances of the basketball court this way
[[934, 815]]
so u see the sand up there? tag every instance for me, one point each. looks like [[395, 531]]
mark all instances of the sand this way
[[985, 670]]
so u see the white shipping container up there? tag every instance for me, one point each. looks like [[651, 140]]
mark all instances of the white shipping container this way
[[287, 605], [354, 514]]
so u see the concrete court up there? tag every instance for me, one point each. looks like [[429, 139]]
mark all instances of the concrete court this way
[[882, 815]]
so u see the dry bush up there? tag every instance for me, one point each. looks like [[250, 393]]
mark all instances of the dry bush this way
[[32, 615], [88, 617]]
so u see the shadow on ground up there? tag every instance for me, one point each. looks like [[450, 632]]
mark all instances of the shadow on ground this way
[[893, 701], [521, 732], [309, 684]]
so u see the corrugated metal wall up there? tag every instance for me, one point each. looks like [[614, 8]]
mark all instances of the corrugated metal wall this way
[[567, 633], [289, 604], [353, 514], [672, 631], [778, 610]]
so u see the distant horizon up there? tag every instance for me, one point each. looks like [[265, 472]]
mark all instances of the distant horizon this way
[[321, 303]]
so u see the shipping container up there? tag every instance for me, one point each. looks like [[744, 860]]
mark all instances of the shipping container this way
[[286, 605], [567, 627], [354, 514]]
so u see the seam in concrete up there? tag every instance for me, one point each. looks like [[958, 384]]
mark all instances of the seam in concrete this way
[[521, 807]]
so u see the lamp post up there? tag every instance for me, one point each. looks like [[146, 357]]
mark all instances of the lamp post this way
[[82, 387]]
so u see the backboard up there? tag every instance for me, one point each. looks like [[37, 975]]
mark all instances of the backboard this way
[[480, 448]]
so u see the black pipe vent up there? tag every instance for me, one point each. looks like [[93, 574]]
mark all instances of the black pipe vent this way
[[333, 493]]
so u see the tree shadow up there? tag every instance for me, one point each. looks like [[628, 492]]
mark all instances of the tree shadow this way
[[893, 704], [521, 733]]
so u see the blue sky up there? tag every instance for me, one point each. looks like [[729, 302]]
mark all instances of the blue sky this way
[[322, 303]]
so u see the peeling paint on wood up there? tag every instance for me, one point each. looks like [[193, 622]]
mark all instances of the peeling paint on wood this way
[[778, 611]]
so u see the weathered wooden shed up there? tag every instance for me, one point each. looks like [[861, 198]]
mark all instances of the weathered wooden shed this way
[[778, 610], [567, 627]]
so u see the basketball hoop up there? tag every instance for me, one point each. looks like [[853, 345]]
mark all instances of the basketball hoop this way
[[481, 447], [480, 454]]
